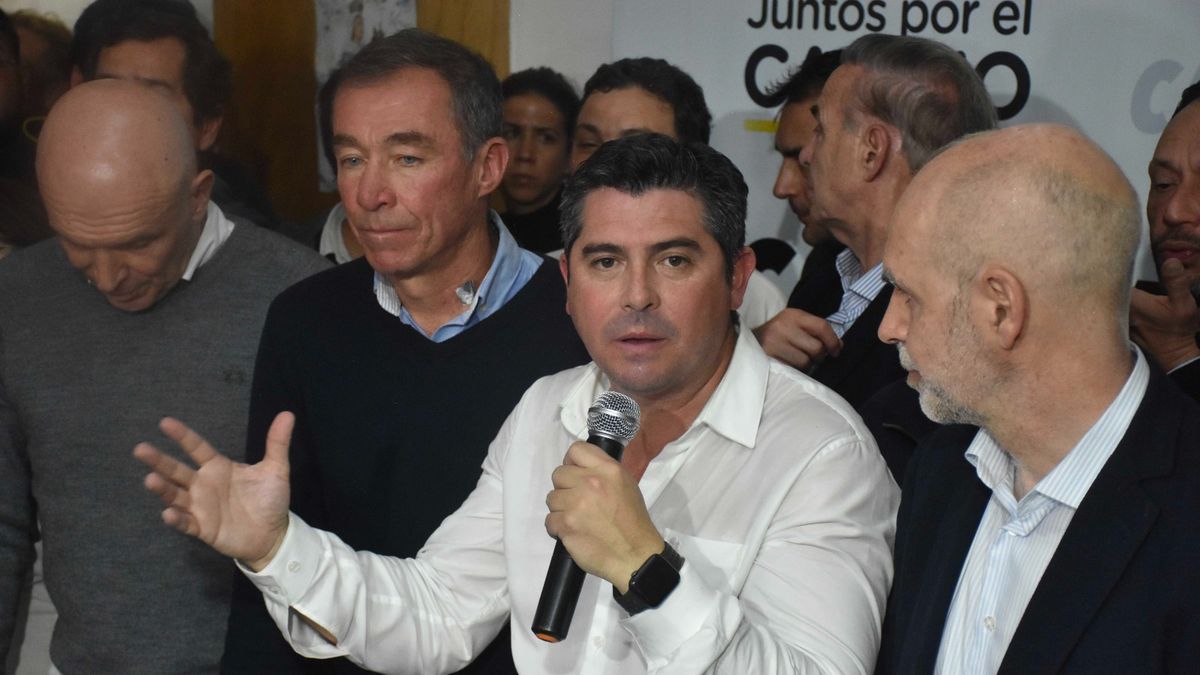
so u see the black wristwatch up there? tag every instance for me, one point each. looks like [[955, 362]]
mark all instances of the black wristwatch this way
[[652, 582]]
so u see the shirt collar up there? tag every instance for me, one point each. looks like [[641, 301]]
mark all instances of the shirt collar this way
[[332, 242], [733, 410], [854, 279], [501, 275], [1069, 481], [216, 231]]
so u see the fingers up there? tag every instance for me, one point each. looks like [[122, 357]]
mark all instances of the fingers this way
[[192, 443], [279, 437], [798, 338], [170, 493], [822, 331], [1175, 281], [585, 455], [163, 465], [181, 520], [1141, 304], [567, 476]]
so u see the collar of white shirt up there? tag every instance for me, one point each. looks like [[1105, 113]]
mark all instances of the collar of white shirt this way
[[1069, 481], [732, 411], [217, 229]]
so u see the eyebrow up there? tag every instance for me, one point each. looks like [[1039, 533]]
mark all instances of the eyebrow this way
[[625, 133], [535, 127], [1159, 162], [149, 81], [397, 138], [683, 242]]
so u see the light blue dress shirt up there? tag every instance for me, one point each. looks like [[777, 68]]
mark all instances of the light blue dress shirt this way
[[511, 269]]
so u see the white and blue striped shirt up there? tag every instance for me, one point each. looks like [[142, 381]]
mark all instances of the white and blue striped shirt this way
[[1016, 539], [858, 290]]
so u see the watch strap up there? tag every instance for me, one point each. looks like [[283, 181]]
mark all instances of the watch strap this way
[[639, 597]]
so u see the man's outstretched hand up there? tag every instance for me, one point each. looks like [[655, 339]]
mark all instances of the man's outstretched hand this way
[[240, 510]]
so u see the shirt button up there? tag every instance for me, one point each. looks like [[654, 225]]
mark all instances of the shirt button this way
[[989, 623], [598, 641], [294, 566]]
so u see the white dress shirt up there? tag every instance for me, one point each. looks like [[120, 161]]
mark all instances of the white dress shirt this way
[[1016, 539], [776, 497], [216, 231], [763, 300], [859, 289]]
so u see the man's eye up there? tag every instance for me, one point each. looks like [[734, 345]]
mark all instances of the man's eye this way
[[547, 138], [675, 261], [408, 160], [1161, 186], [604, 263], [350, 162], [511, 133]]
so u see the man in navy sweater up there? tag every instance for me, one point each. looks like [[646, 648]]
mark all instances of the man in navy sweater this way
[[431, 338]]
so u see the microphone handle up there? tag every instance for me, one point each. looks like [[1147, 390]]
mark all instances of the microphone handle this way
[[564, 578]]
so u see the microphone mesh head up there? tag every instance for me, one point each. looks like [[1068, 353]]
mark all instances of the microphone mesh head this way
[[614, 415]]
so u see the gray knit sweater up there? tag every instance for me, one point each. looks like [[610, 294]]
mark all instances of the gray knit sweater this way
[[80, 384]]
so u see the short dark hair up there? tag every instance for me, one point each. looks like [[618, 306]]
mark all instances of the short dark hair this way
[[805, 81], [693, 121], [207, 75], [550, 85], [474, 87], [635, 164], [925, 89], [1190, 95]]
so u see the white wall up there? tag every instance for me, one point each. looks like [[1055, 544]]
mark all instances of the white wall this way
[[571, 36]]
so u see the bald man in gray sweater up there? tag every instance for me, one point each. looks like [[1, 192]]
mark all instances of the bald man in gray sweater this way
[[149, 301]]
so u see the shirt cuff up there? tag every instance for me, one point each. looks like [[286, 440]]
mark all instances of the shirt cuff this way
[[290, 573], [693, 610]]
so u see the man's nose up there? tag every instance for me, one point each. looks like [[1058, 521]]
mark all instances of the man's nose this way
[[374, 191], [894, 326], [106, 272], [640, 290]]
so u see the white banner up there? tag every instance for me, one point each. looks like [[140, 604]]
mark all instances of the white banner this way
[[1113, 69]]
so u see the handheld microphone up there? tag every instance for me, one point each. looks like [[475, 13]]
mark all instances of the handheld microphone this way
[[613, 420]]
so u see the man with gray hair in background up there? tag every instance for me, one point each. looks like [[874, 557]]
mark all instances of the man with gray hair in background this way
[[1056, 533], [147, 291], [890, 105]]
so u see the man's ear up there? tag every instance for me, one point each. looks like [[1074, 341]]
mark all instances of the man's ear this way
[[492, 160], [200, 191], [1003, 304], [878, 145], [743, 267], [207, 132], [565, 269]]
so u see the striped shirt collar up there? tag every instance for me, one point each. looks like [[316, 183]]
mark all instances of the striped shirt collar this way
[[859, 289], [1069, 481]]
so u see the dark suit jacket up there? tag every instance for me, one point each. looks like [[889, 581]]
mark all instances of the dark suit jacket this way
[[1188, 379], [819, 290], [1122, 592], [865, 364]]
